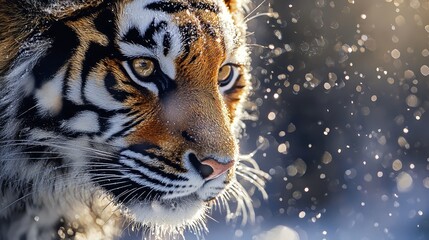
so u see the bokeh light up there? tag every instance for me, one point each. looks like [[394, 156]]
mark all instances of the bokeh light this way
[[341, 94]]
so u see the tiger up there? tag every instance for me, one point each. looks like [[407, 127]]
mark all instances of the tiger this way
[[122, 114]]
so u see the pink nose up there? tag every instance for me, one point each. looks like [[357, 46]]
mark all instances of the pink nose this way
[[217, 168]]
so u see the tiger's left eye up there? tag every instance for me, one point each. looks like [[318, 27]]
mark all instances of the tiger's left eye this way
[[143, 67], [227, 76], [224, 73]]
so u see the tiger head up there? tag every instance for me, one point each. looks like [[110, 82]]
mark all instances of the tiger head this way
[[137, 98]]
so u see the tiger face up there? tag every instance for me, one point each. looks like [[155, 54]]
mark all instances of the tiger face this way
[[138, 99]]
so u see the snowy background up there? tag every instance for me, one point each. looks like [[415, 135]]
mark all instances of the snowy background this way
[[342, 93]]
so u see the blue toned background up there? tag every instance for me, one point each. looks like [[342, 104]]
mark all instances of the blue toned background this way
[[342, 94]]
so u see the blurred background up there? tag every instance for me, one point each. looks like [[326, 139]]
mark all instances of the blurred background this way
[[341, 89]]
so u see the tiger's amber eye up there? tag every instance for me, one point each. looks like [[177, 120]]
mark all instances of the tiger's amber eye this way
[[225, 72], [143, 67]]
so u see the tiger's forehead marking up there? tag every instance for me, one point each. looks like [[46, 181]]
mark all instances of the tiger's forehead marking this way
[[209, 16], [166, 30]]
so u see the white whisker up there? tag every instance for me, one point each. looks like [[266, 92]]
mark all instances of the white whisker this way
[[14, 202], [256, 184], [251, 12], [28, 110], [258, 15]]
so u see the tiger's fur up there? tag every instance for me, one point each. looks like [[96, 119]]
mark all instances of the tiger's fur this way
[[87, 148]]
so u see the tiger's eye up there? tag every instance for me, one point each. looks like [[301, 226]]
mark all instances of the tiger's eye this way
[[224, 72], [143, 67]]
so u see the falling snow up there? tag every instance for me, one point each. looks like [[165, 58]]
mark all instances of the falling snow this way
[[341, 91]]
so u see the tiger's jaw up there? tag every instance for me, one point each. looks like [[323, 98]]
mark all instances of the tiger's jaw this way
[[173, 215], [162, 201], [176, 213], [170, 214]]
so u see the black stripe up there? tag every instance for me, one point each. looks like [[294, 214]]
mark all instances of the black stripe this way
[[209, 29], [142, 147], [110, 83], [145, 177], [126, 127], [148, 41], [148, 38], [194, 57], [104, 124], [166, 43], [134, 112], [205, 6], [168, 7], [135, 172], [118, 189], [175, 7], [158, 171], [164, 160], [64, 44], [164, 83], [32, 119], [94, 55], [105, 23], [133, 36], [70, 109], [189, 34], [66, 87]]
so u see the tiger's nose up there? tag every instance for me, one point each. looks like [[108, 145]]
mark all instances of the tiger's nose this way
[[210, 168], [213, 168]]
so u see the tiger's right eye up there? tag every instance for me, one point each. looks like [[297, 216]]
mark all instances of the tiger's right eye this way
[[144, 67]]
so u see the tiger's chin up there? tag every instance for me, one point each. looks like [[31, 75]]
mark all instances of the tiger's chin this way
[[170, 215]]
